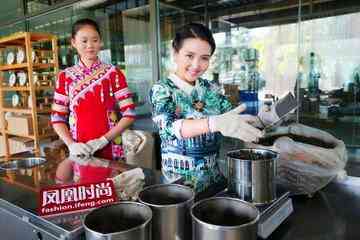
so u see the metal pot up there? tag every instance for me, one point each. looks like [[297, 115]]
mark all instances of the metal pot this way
[[121, 221], [223, 218], [170, 204], [251, 174]]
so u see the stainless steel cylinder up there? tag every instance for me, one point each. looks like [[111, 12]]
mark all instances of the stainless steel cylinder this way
[[223, 218], [120, 221], [170, 204], [251, 174]]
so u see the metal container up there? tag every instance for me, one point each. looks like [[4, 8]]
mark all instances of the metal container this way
[[121, 221], [223, 218], [23, 163], [251, 174], [170, 204]]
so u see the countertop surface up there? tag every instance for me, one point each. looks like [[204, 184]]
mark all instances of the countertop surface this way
[[21, 189], [332, 213]]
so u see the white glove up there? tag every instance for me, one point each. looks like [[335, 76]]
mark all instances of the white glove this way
[[267, 115], [79, 149], [97, 144], [231, 124]]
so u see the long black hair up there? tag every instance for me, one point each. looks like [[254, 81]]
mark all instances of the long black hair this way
[[193, 30], [84, 22]]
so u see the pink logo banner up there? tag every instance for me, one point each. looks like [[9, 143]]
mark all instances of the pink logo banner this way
[[75, 197]]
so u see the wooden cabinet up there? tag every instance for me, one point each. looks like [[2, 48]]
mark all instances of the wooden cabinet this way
[[27, 78]]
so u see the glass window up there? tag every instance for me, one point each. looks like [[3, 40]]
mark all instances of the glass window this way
[[12, 28], [262, 48], [11, 10], [36, 6], [330, 70], [173, 14], [122, 46], [252, 55]]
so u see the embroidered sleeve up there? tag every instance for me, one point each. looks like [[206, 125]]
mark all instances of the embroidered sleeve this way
[[123, 95], [163, 113], [60, 106]]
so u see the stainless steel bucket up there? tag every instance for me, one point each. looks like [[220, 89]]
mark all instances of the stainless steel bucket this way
[[120, 221], [170, 204], [223, 218], [251, 174]]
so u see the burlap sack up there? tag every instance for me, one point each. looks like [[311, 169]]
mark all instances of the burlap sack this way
[[309, 158]]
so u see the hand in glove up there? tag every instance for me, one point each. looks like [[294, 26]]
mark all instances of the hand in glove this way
[[79, 149], [231, 124], [97, 144]]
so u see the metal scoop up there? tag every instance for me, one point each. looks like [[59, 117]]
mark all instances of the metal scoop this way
[[283, 108]]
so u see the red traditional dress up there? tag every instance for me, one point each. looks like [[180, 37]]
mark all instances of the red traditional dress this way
[[91, 101]]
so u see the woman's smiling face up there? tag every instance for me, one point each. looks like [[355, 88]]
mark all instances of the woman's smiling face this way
[[192, 59]]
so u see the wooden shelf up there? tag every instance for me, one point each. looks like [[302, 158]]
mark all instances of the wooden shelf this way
[[13, 89], [52, 134], [13, 66], [25, 65], [37, 88], [26, 110], [44, 88], [19, 135], [13, 38], [43, 50], [45, 110], [20, 36], [43, 65], [28, 41], [17, 110]]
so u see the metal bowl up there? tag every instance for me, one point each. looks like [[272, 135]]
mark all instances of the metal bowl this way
[[22, 163]]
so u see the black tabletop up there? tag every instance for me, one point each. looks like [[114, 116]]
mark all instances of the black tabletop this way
[[333, 213]]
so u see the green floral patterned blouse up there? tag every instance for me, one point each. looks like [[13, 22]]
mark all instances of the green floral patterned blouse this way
[[173, 100]]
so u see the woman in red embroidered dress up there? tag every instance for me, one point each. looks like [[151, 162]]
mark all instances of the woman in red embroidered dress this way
[[92, 105]]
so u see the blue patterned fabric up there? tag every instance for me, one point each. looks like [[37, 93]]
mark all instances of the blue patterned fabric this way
[[194, 158]]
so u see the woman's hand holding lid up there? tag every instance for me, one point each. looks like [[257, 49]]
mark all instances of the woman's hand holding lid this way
[[232, 124]]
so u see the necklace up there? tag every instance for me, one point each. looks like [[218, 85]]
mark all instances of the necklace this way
[[198, 105]]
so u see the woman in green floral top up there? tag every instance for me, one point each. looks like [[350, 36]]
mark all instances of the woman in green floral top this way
[[191, 114]]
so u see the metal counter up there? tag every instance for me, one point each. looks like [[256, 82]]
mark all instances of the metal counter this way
[[19, 200], [332, 213]]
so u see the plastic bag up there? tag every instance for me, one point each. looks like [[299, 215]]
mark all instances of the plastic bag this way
[[139, 148], [309, 158], [129, 184]]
